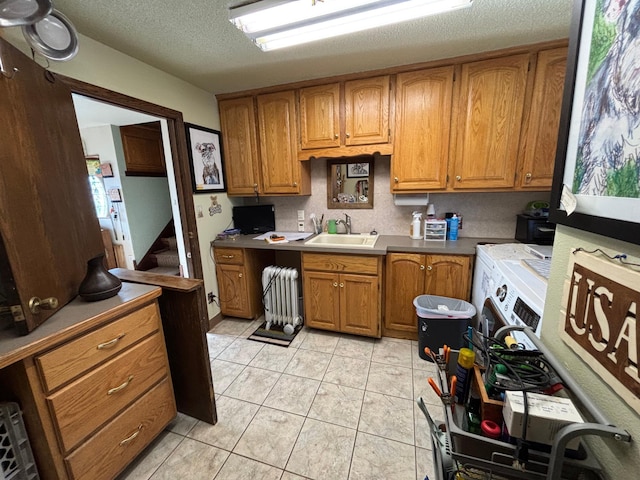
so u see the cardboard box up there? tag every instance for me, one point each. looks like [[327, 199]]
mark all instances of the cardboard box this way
[[547, 415]]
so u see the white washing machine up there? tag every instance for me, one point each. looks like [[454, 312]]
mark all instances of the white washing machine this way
[[509, 287]]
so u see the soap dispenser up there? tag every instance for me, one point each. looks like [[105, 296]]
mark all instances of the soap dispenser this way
[[416, 223]]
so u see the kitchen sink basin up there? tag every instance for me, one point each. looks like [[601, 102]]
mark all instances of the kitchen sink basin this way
[[342, 240]]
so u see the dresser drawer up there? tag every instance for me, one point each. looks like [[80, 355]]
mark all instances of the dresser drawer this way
[[72, 359], [229, 256], [121, 440], [89, 402]]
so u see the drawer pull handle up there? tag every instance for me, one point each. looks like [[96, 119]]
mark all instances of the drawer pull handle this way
[[120, 387], [131, 437], [228, 256], [110, 343]]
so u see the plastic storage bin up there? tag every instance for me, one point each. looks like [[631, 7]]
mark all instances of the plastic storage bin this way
[[441, 321], [16, 458]]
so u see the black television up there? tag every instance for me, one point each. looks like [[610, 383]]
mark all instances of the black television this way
[[254, 219]]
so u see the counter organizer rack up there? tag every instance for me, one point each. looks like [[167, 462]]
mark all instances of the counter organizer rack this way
[[461, 455]]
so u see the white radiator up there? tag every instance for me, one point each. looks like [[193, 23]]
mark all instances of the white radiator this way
[[280, 295]]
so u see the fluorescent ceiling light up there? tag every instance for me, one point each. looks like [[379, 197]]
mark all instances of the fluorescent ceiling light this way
[[273, 24]]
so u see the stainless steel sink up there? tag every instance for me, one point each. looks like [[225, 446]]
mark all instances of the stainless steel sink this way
[[342, 240]]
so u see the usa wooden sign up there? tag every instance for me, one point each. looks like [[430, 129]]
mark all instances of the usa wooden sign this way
[[598, 320]]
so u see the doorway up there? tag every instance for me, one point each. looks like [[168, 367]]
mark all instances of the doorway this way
[[174, 139], [139, 216]]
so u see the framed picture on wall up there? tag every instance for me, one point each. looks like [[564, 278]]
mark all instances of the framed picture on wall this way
[[596, 184], [357, 170], [205, 159]]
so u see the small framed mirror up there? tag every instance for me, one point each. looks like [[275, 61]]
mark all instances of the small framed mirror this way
[[350, 182]]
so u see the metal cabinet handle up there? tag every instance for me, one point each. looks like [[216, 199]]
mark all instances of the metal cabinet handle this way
[[341, 285], [131, 437], [335, 284], [528, 177], [295, 184], [228, 256], [421, 267], [348, 135], [36, 304], [239, 275], [335, 136], [458, 178], [110, 343], [120, 387], [429, 268], [395, 179]]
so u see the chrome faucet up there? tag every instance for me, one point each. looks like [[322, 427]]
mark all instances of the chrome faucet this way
[[346, 222]]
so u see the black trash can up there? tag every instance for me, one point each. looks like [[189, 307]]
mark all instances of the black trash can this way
[[441, 321]]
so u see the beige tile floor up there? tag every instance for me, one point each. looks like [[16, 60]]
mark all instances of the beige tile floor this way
[[330, 406]]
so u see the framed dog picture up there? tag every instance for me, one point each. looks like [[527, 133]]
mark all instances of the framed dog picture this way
[[206, 159]]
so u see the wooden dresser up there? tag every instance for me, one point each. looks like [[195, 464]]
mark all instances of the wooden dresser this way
[[93, 383]]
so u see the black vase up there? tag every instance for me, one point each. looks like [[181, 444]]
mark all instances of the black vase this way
[[98, 283]]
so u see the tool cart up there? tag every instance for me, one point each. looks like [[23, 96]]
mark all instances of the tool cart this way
[[459, 454]]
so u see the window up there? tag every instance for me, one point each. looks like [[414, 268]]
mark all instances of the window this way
[[99, 196]]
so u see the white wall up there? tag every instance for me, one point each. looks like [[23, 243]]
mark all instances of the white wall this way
[[619, 459], [484, 214]]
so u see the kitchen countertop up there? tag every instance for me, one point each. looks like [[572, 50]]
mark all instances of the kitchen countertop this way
[[75, 318], [385, 244]]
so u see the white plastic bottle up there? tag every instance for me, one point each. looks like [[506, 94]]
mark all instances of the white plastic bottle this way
[[416, 223]]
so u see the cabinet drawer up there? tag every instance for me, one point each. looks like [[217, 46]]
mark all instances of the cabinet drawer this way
[[341, 263], [229, 256], [113, 447], [86, 404], [78, 356]]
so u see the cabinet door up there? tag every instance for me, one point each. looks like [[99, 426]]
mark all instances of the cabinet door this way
[[489, 119], [541, 133], [319, 121], [281, 170], [234, 295], [48, 224], [322, 300], [367, 111], [239, 140], [143, 150], [448, 276], [422, 128], [359, 304], [405, 280]]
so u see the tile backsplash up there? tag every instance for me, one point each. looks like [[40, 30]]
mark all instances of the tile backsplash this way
[[484, 214]]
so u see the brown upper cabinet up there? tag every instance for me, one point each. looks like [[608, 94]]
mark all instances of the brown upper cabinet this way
[[489, 118], [347, 115], [143, 150], [540, 137], [422, 127], [239, 138], [259, 135], [282, 172], [484, 122]]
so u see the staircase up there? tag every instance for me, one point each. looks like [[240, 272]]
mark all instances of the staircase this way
[[162, 257], [167, 260]]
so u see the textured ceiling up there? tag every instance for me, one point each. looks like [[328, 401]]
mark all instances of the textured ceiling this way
[[193, 39]]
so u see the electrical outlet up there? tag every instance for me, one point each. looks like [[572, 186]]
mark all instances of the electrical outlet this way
[[211, 297], [301, 226]]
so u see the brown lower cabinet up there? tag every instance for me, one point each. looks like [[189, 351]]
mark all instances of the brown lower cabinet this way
[[239, 274], [98, 391], [409, 275], [343, 293]]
